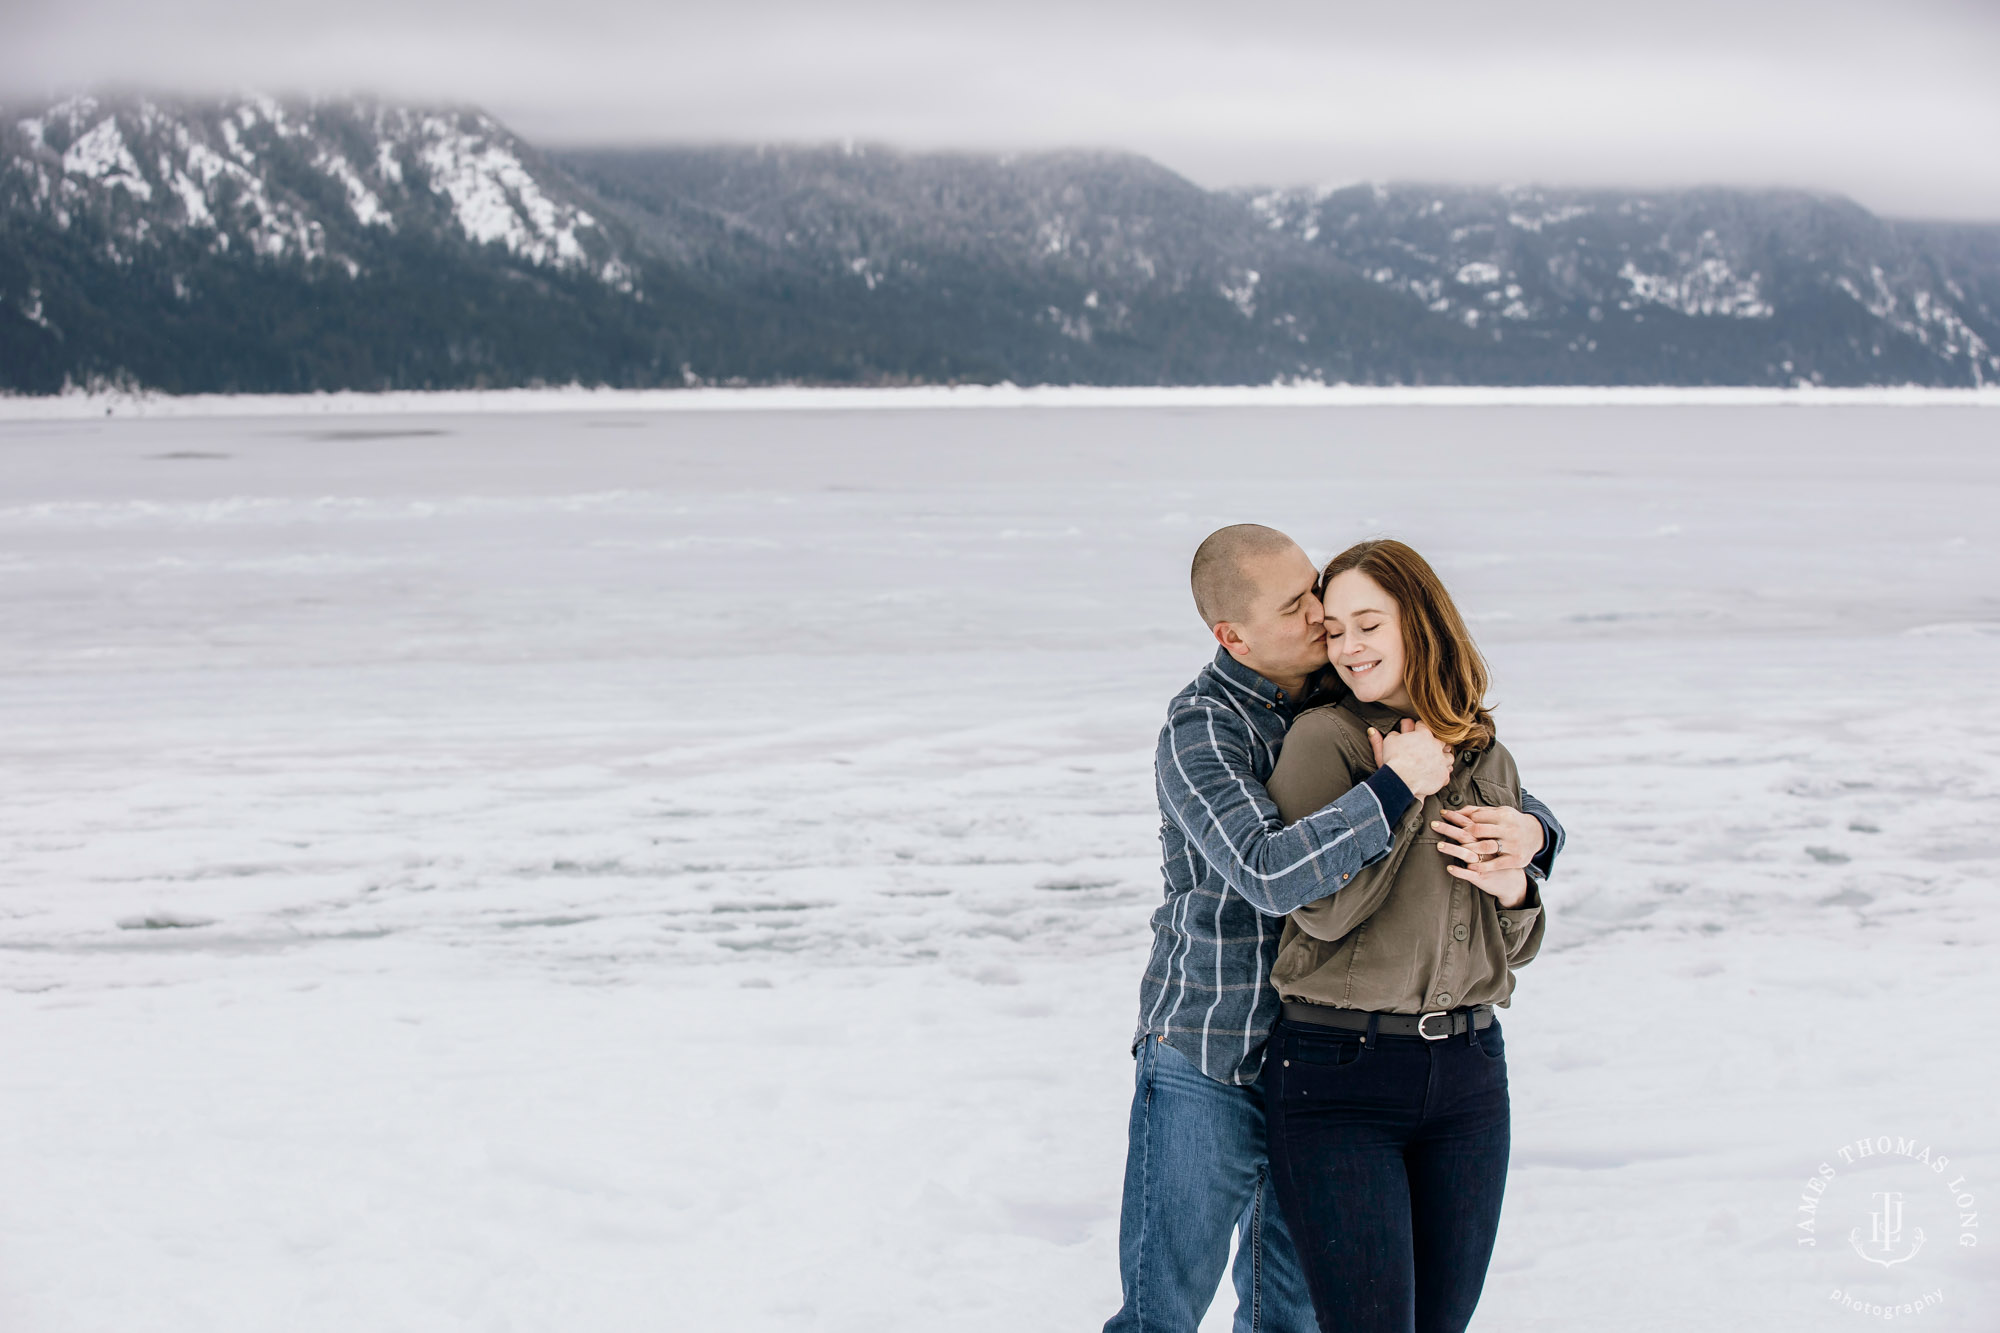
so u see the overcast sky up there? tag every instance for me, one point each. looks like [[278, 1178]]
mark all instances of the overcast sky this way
[[1896, 102]]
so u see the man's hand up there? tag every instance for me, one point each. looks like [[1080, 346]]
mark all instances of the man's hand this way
[[1491, 837], [1420, 759], [1508, 887]]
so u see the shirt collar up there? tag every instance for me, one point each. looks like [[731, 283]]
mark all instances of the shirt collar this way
[[1377, 715], [1386, 719], [1243, 678]]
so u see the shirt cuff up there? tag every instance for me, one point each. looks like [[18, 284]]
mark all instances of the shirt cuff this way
[[1391, 792], [1544, 863]]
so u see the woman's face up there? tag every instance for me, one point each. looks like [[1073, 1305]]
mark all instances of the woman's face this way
[[1364, 638]]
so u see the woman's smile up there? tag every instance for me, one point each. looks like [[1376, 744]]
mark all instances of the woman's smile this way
[[1364, 638]]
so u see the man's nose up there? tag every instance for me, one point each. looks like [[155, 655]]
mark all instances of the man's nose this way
[[1315, 610]]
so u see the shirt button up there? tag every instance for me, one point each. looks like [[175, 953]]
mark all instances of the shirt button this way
[[1458, 932], [1444, 997]]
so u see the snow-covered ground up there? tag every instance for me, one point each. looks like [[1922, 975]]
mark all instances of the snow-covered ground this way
[[79, 404], [615, 869]]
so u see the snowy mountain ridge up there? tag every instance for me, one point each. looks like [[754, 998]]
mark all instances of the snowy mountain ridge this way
[[254, 172], [1527, 256], [251, 244]]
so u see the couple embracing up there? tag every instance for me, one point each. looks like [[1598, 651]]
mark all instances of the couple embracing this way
[[1352, 875]]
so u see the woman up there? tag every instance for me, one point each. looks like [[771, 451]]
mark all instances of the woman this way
[[1386, 1081]]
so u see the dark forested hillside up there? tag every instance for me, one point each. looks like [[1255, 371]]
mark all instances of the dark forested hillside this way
[[257, 245]]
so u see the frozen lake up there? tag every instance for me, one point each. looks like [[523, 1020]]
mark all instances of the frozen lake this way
[[636, 870]]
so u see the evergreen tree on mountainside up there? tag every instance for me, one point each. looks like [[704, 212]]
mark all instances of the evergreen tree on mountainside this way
[[252, 245]]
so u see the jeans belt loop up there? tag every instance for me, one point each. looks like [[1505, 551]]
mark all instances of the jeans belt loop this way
[[1368, 1038]]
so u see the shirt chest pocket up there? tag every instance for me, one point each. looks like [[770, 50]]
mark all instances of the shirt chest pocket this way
[[1472, 790], [1487, 791], [1467, 790]]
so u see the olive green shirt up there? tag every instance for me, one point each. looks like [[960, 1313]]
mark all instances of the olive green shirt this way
[[1403, 937]]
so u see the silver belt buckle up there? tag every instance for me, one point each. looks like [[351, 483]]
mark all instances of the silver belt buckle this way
[[1422, 1019]]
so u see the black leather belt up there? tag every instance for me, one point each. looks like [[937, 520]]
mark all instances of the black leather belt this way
[[1434, 1026]]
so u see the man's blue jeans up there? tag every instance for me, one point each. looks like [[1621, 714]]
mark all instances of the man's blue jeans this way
[[1196, 1170]]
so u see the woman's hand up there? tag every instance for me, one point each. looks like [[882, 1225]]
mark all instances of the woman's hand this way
[[1508, 887], [1492, 837]]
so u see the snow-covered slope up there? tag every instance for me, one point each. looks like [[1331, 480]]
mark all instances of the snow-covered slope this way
[[299, 180], [1586, 269], [254, 244]]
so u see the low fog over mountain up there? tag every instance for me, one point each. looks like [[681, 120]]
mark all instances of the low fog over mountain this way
[[256, 245]]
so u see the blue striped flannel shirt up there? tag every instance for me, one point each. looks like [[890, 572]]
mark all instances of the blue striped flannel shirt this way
[[1233, 868]]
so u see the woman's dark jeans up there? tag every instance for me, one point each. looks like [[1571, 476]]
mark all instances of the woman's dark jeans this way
[[1390, 1160]]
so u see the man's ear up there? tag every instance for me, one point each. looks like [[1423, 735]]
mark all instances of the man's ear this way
[[1226, 635]]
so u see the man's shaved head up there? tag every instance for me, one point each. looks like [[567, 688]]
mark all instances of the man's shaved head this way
[[1220, 577]]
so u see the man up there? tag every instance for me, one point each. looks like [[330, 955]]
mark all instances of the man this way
[[1195, 1164]]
